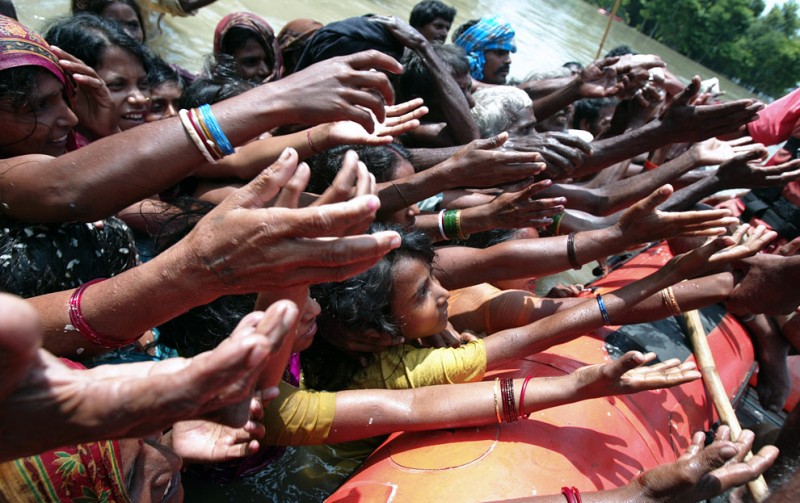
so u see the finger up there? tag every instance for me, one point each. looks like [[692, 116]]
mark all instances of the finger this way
[[654, 200], [490, 143], [330, 220], [743, 141], [790, 248], [398, 129], [289, 196], [406, 108], [265, 186], [572, 141], [689, 92], [341, 189]]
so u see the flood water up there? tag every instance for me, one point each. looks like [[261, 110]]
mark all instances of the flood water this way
[[549, 32]]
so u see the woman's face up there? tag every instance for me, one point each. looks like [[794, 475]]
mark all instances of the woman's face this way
[[126, 79], [252, 60], [152, 470], [127, 18], [419, 302], [42, 125], [163, 101]]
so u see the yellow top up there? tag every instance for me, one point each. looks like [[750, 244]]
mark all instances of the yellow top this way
[[299, 417]]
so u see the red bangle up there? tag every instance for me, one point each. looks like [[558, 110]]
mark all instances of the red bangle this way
[[311, 143], [649, 165], [78, 321], [572, 494], [522, 396]]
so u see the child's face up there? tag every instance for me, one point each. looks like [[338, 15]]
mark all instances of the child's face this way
[[419, 302]]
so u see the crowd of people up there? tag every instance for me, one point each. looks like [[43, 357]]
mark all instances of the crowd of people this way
[[333, 232]]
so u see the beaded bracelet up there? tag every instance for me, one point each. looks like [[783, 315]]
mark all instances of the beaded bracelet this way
[[522, 396], [571, 255], [78, 321], [572, 494], [602, 306], [216, 131]]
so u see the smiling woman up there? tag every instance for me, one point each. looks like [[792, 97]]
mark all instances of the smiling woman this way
[[120, 61]]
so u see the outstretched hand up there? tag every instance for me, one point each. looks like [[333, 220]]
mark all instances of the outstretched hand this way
[[629, 375], [94, 106], [481, 164], [516, 208], [644, 222], [562, 153], [402, 31], [704, 472], [713, 151], [400, 119], [744, 171]]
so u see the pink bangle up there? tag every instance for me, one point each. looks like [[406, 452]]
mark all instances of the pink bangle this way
[[311, 143], [522, 396], [78, 321], [572, 494]]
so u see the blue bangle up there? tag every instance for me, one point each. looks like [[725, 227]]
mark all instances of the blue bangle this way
[[216, 131], [603, 311]]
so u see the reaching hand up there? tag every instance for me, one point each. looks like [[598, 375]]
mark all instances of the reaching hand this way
[[704, 472], [402, 31], [482, 164], [628, 375], [644, 223], [515, 208], [713, 151], [93, 104], [599, 78], [400, 119], [682, 122], [743, 171], [562, 153], [768, 285]]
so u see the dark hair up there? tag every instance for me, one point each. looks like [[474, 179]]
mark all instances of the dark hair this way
[[162, 72], [428, 10], [464, 27], [86, 36], [47, 258], [98, 6], [416, 81], [355, 305], [219, 81], [18, 85], [620, 50], [380, 160], [571, 64], [7, 9], [589, 109]]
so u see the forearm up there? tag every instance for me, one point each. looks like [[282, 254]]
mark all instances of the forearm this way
[[424, 158], [454, 106], [619, 148], [403, 192], [124, 306], [549, 104], [687, 197]]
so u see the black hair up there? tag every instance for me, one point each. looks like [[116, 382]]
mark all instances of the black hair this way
[[236, 37], [464, 27], [355, 305], [380, 160], [220, 81], [7, 9], [86, 36], [620, 50], [428, 10], [416, 81], [589, 109], [570, 64], [47, 258], [162, 72], [98, 6], [18, 85]]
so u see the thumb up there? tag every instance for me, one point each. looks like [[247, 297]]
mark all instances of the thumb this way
[[493, 142], [655, 199], [266, 185], [630, 361]]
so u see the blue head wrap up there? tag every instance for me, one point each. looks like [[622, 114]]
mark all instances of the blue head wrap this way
[[490, 33]]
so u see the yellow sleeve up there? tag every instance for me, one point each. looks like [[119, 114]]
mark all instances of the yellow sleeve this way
[[299, 417], [407, 367]]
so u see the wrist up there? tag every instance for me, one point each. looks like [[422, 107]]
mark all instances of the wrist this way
[[477, 219]]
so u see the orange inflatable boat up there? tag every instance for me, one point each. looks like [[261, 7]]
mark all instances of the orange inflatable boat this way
[[594, 444]]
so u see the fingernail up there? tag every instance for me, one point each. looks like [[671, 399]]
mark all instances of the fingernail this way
[[286, 154], [373, 203], [394, 242]]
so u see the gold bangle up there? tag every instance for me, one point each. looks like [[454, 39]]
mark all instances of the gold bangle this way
[[668, 296], [496, 400]]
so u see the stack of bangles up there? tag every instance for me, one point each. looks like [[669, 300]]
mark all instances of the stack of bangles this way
[[668, 296], [78, 321], [450, 225], [206, 133], [572, 494], [504, 398]]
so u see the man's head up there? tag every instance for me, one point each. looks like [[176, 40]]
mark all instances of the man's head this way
[[489, 44], [417, 81], [433, 19]]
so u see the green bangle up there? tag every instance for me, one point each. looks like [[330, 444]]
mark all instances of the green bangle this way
[[450, 224]]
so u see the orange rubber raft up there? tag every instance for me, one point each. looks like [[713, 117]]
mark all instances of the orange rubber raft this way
[[594, 444]]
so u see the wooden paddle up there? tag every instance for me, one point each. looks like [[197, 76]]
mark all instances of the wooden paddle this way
[[705, 363]]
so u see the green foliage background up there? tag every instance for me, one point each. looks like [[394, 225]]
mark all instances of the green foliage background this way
[[758, 50]]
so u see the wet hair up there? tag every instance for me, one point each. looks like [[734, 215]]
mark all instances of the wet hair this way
[[427, 11], [380, 160], [87, 36], [498, 107], [18, 85], [162, 72], [7, 9], [355, 305], [220, 81], [416, 81], [202, 328], [589, 109], [620, 50], [98, 6], [464, 27], [47, 258]]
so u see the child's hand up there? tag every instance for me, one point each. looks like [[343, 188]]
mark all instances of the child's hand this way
[[627, 375]]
